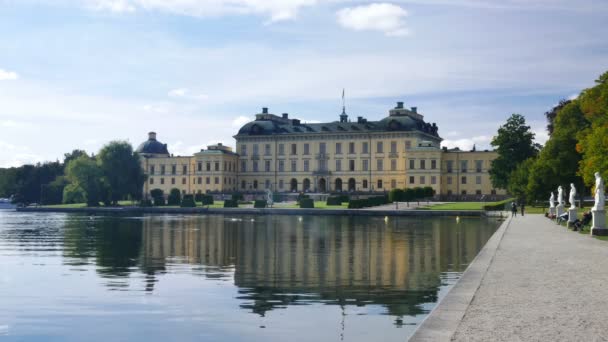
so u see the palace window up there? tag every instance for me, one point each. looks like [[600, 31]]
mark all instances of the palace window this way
[[379, 147], [351, 165], [365, 147], [463, 180], [281, 166], [493, 192], [151, 180], [200, 180], [338, 148], [294, 149], [393, 164], [433, 180], [449, 165], [338, 165], [449, 180], [393, 183], [256, 150], [243, 166], [322, 148], [184, 169], [351, 148], [162, 181], [217, 180], [422, 180], [408, 144], [281, 149], [306, 165], [422, 164], [208, 166], [243, 185], [280, 184], [151, 169], [217, 166], [412, 180], [433, 164], [463, 192], [162, 169], [477, 179], [364, 184], [478, 165], [364, 165], [200, 167], [243, 150], [412, 162], [393, 147], [379, 184], [294, 166], [184, 180], [173, 169], [267, 149], [208, 180], [172, 180], [463, 165], [477, 192], [267, 165], [380, 165], [255, 166], [267, 184], [306, 149]]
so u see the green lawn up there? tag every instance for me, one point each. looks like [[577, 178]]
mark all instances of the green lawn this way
[[458, 206], [318, 205]]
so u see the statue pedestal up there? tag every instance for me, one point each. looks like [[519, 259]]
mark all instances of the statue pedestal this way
[[559, 210], [599, 223], [551, 211], [572, 216]]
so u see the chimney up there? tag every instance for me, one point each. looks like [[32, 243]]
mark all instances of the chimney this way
[[359, 119], [285, 116], [414, 109], [399, 105], [152, 136], [264, 110]]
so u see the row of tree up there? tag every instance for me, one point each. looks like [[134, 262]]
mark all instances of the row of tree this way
[[576, 149], [113, 174]]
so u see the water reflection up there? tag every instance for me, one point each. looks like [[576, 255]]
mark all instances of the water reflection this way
[[280, 261]]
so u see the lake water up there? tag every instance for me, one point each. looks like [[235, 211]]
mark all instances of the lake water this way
[[227, 278]]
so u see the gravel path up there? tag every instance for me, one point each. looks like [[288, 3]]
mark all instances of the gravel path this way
[[545, 283]]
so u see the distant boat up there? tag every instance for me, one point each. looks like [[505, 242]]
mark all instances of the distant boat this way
[[5, 203]]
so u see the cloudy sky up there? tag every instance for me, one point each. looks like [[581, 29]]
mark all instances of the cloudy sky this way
[[79, 73]]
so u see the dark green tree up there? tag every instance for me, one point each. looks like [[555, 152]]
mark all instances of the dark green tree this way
[[122, 172], [175, 197], [514, 143]]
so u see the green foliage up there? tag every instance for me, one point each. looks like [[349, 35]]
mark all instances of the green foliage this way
[[335, 200], [259, 204], [302, 196], [84, 172], [514, 143], [52, 193], [122, 172], [207, 200], [396, 195], [73, 155], [26, 182], [175, 197], [519, 179], [188, 202], [144, 203], [158, 197], [231, 204], [498, 206], [237, 196], [367, 202], [72, 193], [306, 202], [428, 192]]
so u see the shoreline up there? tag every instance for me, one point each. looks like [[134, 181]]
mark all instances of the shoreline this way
[[265, 211]]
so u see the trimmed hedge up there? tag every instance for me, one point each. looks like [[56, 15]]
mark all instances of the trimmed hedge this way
[[231, 204], [334, 201], [307, 203], [498, 206], [302, 196], [260, 204], [206, 200], [158, 197], [367, 202], [237, 196], [145, 203], [188, 202], [175, 197]]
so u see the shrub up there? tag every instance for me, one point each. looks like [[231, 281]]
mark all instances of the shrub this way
[[334, 200], [396, 195], [175, 197], [198, 197], [158, 197], [188, 202], [72, 193], [307, 203], [260, 204], [302, 196], [237, 196], [367, 202], [231, 204], [498, 206], [145, 203], [207, 200]]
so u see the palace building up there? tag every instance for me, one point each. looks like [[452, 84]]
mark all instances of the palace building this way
[[285, 154]]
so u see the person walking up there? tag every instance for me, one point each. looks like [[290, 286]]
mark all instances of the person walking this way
[[522, 207], [513, 209]]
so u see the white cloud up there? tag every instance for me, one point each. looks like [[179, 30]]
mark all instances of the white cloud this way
[[481, 142], [383, 17], [240, 121], [187, 94], [8, 75], [277, 10]]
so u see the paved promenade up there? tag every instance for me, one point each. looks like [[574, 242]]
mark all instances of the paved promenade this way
[[534, 281]]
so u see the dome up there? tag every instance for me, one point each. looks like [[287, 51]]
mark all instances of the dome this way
[[259, 127], [152, 146], [399, 123]]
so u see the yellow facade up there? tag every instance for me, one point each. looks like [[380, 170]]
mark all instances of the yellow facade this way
[[285, 155]]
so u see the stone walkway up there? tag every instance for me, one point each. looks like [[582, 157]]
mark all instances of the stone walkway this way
[[543, 283]]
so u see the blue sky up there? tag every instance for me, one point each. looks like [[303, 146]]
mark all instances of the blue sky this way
[[79, 73]]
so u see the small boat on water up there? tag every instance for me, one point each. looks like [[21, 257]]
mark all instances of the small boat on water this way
[[5, 203]]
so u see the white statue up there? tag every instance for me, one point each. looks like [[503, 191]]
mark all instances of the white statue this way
[[560, 196], [572, 196], [269, 197], [552, 201], [599, 193]]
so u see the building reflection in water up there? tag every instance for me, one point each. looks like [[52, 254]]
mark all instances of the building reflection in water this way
[[278, 261]]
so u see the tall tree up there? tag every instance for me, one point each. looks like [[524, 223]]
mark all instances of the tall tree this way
[[83, 172], [518, 179], [552, 114], [594, 140], [122, 170], [514, 143], [67, 157]]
